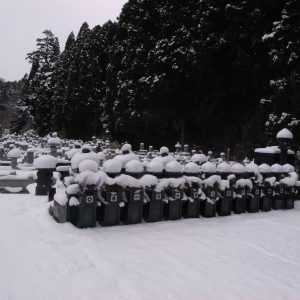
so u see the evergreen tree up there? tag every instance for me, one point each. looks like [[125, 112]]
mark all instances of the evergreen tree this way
[[60, 82], [283, 45], [38, 90]]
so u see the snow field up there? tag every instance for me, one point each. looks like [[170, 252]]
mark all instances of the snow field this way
[[248, 256]]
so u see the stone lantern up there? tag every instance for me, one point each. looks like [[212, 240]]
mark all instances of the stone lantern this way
[[284, 138]]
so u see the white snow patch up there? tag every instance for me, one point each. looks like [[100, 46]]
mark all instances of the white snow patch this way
[[112, 166], [285, 134], [134, 166], [155, 166], [224, 167], [88, 165], [238, 168], [192, 167], [208, 167], [45, 162]]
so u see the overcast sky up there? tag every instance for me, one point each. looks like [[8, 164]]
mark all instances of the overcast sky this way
[[23, 21]]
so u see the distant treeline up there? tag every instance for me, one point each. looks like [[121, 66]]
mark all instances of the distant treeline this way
[[206, 72]]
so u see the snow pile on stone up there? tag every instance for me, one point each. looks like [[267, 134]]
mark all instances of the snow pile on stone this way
[[73, 189], [134, 166], [284, 134], [164, 159], [69, 154], [208, 167], [287, 168], [127, 181], [291, 180], [190, 180], [54, 140], [86, 178], [238, 168], [14, 153], [212, 181], [155, 166], [88, 165], [199, 158], [177, 182], [224, 167], [192, 168], [124, 158], [148, 181], [101, 156], [276, 168], [252, 168], [45, 162], [74, 201], [173, 167], [112, 166], [244, 183], [224, 184], [79, 157], [264, 168], [270, 180]]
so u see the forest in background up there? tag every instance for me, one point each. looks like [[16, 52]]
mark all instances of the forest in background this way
[[216, 74]]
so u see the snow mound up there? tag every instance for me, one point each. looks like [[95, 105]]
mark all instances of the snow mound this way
[[264, 168], [291, 180], [14, 153], [164, 150], [88, 165], [199, 158], [208, 167], [212, 181], [270, 180], [101, 156], [79, 157], [54, 141], [148, 181], [126, 147], [238, 168], [164, 159], [87, 147], [69, 154], [224, 167], [127, 181], [223, 185], [134, 166], [177, 182], [174, 167], [284, 134], [112, 166], [287, 168], [276, 168], [252, 168], [86, 178], [192, 168], [155, 166], [73, 189], [74, 201], [45, 162], [244, 183], [125, 158], [190, 180], [61, 198]]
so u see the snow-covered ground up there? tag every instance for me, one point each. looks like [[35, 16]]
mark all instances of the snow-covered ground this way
[[249, 256]]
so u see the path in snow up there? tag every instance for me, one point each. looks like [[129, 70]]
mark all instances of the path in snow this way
[[249, 256]]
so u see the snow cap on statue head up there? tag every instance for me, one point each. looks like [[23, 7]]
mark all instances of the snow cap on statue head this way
[[126, 148], [164, 151]]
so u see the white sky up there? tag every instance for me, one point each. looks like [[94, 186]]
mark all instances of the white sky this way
[[23, 21]]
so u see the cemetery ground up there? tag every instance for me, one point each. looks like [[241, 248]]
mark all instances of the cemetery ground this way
[[248, 256]]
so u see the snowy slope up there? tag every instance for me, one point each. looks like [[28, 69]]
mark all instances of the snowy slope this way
[[249, 256]]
